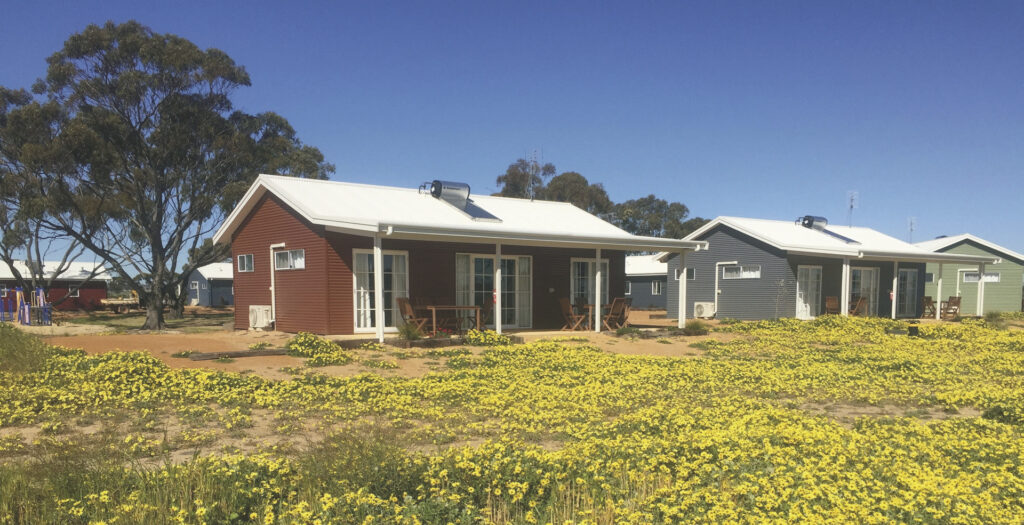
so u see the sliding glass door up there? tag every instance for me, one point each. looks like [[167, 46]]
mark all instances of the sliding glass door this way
[[864, 283], [474, 285], [906, 293], [396, 284], [583, 276], [808, 292]]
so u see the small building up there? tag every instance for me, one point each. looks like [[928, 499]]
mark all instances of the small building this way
[[645, 281], [212, 285], [84, 295], [768, 269], [1004, 281], [320, 256]]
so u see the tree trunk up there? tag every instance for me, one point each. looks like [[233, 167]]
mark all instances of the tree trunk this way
[[154, 312]]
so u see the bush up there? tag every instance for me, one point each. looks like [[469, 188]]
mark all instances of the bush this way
[[320, 351], [22, 352], [262, 345], [409, 332], [486, 338], [628, 330], [996, 320], [696, 327]]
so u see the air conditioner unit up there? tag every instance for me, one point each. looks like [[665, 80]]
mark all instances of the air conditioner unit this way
[[259, 317], [704, 310]]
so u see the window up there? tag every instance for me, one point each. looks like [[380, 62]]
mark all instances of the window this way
[[3, 291], [194, 285], [582, 278], [395, 281], [629, 288], [655, 287], [206, 285], [290, 260], [73, 292], [245, 263], [929, 277], [691, 274], [990, 277], [746, 271]]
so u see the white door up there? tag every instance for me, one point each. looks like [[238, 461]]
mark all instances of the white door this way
[[474, 285], [864, 283], [906, 293], [808, 292], [396, 284]]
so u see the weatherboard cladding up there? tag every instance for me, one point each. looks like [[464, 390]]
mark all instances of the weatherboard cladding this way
[[89, 295], [319, 299], [773, 295], [1004, 296], [640, 291], [216, 293]]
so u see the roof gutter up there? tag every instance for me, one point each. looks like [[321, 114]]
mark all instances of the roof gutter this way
[[635, 243]]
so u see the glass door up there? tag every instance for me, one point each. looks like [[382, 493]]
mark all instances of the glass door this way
[[583, 279], [396, 284], [906, 293], [808, 292], [474, 285], [864, 283]]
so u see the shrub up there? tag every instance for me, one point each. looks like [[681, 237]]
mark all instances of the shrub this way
[[320, 351], [996, 320], [627, 331], [259, 346], [696, 327], [486, 338], [409, 332], [22, 352]]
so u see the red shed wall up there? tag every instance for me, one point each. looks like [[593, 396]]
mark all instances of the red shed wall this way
[[89, 295], [301, 294]]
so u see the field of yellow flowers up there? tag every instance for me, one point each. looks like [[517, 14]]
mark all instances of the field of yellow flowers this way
[[548, 432]]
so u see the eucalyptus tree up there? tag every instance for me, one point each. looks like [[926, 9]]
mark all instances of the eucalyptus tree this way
[[159, 153]]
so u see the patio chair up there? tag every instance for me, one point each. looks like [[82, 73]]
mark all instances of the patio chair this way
[[952, 308], [625, 311], [927, 306], [408, 314], [860, 307], [832, 305], [573, 320], [613, 319]]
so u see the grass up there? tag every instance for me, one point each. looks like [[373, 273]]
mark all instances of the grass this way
[[189, 324]]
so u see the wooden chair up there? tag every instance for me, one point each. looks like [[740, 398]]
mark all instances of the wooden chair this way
[[832, 305], [861, 307], [573, 320], [614, 318], [952, 308], [927, 307], [625, 311], [408, 314]]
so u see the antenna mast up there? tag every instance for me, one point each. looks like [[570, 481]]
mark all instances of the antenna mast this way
[[851, 198], [911, 226]]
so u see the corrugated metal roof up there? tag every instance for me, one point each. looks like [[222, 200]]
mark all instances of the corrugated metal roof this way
[[862, 242], [221, 270], [934, 245], [75, 270], [645, 265], [407, 213]]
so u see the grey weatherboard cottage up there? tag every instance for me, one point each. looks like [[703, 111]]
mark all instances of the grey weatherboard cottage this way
[[645, 282], [766, 269], [211, 285]]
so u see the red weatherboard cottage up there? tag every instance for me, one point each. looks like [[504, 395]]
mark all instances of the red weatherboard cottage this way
[[305, 252], [88, 296]]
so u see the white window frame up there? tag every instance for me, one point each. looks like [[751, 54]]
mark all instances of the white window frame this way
[[242, 267], [193, 285], [990, 277], [605, 281], [291, 259], [205, 285], [745, 271], [656, 287], [523, 297], [355, 290], [3, 291], [691, 274], [629, 288], [74, 292]]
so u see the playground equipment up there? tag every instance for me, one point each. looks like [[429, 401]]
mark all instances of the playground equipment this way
[[32, 309]]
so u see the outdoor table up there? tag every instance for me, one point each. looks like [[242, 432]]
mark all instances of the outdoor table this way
[[453, 307], [590, 313]]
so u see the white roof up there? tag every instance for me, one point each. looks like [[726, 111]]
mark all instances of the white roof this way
[[221, 270], [405, 213], [935, 245], [836, 241], [75, 271], [645, 265]]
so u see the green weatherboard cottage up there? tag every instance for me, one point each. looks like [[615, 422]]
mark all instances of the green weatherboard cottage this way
[[1004, 282]]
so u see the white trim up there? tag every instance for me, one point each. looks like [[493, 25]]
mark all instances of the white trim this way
[[744, 269], [629, 287], [817, 302], [572, 262], [988, 276], [504, 257], [193, 285], [74, 292], [659, 285], [877, 281], [251, 266], [355, 290], [291, 260]]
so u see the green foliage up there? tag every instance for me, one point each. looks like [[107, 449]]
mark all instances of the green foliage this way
[[409, 332], [21, 352], [447, 352], [628, 331], [656, 217], [524, 178], [486, 338], [379, 363], [574, 188], [262, 345], [183, 353], [696, 327]]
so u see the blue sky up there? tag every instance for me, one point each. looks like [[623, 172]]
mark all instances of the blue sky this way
[[759, 109]]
